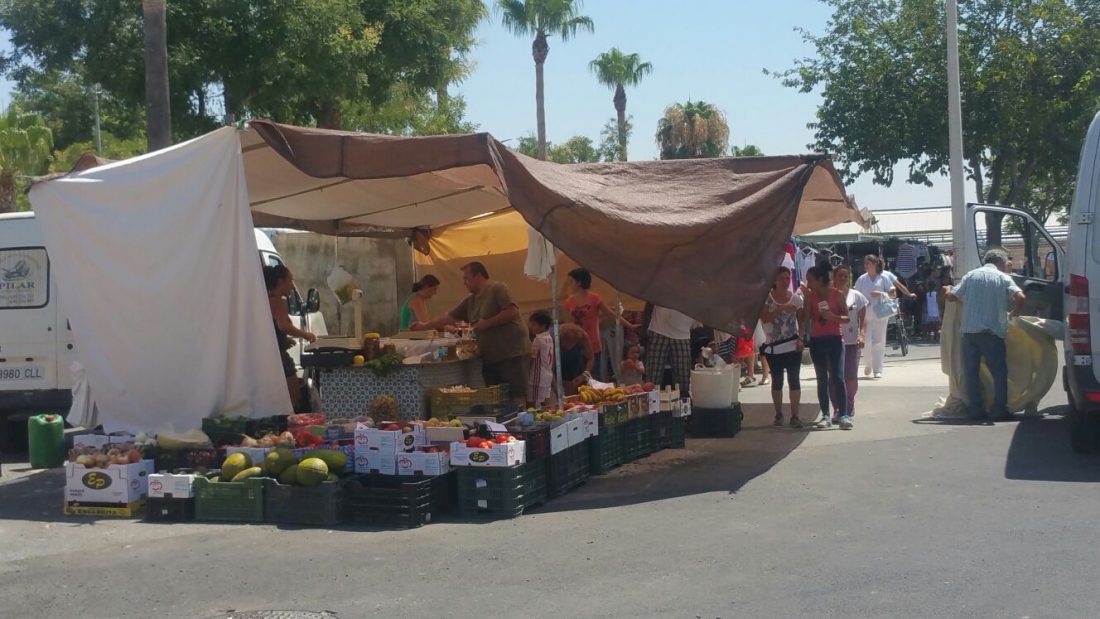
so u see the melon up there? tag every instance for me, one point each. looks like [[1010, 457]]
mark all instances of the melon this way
[[277, 461], [289, 476], [234, 464], [336, 460], [249, 472], [312, 471]]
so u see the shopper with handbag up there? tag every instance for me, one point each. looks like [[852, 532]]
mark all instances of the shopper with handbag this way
[[877, 287], [783, 343]]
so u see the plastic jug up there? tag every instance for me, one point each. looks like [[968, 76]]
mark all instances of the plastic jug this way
[[46, 438]]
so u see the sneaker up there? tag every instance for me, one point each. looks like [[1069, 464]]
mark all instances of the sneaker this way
[[796, 423], [845, 423], [866, 370], [824, 424], [779, 421], [878, 375], [836, 419]]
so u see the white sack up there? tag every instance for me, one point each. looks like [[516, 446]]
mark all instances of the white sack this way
[[156, 261]]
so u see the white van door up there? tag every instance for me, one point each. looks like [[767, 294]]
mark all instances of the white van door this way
[[1037, 261], [28, 313]]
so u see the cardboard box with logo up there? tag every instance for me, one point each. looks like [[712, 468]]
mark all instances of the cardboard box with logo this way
[[424, 462], [501, 454], [115, 490], [375, 462], [172, 486], [389, 441]]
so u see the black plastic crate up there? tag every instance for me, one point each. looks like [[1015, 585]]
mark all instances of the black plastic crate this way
[[605, 451], [678, 433], [660, 425], [191, 458], [229, 501], [501, 492], [637, 439], [399, 501], [321, 505], [716, 422], [536, 439], [275, 424], [167, 509], [567, 469]]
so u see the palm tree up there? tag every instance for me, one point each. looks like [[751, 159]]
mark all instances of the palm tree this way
[[25, 147], [158, 111], [692, 130], [542, 18], [617, 70]]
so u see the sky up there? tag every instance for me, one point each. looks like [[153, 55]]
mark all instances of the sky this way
[[710, 50]]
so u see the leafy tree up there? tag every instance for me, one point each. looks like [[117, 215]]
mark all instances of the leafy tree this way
[[577, 149], [617, 70], [692, 130], [25, 147], [542, 18], [67, 103], [409, 113], [114, 148], [1029, 79], [749, 150], [612, 137]]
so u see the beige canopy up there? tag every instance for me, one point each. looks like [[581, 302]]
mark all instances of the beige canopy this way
[[702, 236]]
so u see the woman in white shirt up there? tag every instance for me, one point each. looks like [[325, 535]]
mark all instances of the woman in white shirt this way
[[876, 287], [853, 334]]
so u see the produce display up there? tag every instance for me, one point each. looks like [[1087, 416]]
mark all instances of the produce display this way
[[439, 423], [457, 389], [320, 465], [102, 457], [591, 395], [384, 407]]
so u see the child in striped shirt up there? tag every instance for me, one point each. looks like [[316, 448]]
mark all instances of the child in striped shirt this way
[[542, 359]]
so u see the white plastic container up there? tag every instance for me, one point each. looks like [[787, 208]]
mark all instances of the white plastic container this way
[[715, 387]]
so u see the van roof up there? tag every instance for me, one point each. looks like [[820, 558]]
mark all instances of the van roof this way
[[19, 215]]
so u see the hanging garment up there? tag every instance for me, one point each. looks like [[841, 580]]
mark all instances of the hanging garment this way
[[906, 264]]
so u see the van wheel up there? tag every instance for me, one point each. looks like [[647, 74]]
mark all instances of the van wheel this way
[[1084, 429]]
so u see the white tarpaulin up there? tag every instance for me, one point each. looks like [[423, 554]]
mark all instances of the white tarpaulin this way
[[157, 261]]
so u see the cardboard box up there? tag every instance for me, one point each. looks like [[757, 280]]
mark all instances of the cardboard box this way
[[375, 462], [559, 438], [391, 442], [170, 486], [444, 435], [102, 440], [120, 510], [116, 485], [577, 432], [503, 454], [421, 462], [590, 421], [654, 398]]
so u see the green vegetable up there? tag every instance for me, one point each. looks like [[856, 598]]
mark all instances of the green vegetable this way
[[386, 364]]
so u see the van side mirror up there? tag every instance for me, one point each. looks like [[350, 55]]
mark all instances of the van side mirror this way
[[313, 301], [294, 303]]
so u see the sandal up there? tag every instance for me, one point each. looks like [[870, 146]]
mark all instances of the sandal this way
[[763, 381]]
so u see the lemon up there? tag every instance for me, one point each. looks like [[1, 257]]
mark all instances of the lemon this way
[[358, 360]]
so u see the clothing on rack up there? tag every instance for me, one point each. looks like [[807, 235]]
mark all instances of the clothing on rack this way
[[906, 263], [806, 260]]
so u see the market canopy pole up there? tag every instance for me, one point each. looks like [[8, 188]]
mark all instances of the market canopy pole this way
[[560, 389]]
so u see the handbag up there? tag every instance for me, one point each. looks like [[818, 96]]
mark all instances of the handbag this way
[[885, 308]]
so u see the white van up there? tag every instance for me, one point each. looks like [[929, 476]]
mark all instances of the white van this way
[[36, 343], [1063, 286]]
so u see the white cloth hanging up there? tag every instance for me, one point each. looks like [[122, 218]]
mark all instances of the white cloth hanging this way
[[540, 256]]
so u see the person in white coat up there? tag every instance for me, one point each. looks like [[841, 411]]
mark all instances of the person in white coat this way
[[877, 288]]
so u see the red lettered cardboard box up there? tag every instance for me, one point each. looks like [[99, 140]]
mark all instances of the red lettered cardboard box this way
[[423, 461], [500, 454]]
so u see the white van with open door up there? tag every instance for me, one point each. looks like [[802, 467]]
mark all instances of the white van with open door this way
[[36, 343], [1062, 285]]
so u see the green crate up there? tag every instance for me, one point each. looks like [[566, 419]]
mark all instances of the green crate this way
[[228, 501], [613, 415], [501, 492], [567, 469], [637, 439], [679, 433], [320, 505], [605, 451], [716, 422], [661, 430]]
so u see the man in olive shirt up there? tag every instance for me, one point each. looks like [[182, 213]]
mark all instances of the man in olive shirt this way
[[502, 338]]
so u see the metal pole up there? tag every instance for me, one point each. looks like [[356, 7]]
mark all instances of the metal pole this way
[[955, 142], [98, 138], [557, 333]]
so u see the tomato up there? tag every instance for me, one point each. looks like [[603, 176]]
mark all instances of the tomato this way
[[485, 445], [473, 442], [393, 427], [500, 439]]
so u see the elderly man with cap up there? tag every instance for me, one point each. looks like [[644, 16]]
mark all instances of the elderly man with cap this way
[[988, 295]]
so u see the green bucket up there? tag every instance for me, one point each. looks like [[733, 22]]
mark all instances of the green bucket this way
[[46, 438]]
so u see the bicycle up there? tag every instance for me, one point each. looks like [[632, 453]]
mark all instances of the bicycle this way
[[901, 325]]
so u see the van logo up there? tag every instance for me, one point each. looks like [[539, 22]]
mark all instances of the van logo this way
[[21, 270]]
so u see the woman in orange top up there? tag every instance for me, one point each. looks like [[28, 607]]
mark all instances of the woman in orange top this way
[[827, 309], [585, 307]]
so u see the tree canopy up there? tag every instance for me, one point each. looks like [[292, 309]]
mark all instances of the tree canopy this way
[[1030, 86], [617, 70], [692, 130]]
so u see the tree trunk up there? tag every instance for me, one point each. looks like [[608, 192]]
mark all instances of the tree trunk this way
[[540, 49], [7, 192], [327, 114], [620, 112], [158, 111]]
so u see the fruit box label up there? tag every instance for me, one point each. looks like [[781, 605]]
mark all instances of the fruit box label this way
[[375, 462], [423, 463], [117, 483], [503, 454], [165, 485], [389, 441]]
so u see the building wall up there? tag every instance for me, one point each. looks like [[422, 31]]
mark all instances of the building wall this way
[[382, 268]]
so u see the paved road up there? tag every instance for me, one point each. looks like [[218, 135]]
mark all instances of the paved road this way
[[898, 518]]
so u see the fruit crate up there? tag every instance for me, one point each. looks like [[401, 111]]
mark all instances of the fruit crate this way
[[320, 505], [637, 439], [678, 432], [536, 439], [228, 501], [275, 424], [166, 509], [225, 430], [716, 422], [406, 502], [501, 492], [192, 458], [612, 415], [605, 452], [567, 470], [445, 405], [661, 430]]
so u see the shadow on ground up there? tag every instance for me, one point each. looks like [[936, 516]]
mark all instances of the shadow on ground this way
[[1040, 451], [705, 465]]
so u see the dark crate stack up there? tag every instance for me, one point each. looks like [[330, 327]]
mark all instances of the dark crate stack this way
[[716, 422], [637, 439], [567, 469], [501, 492], [399, 501], [323, 504], [605, 451], [229, 501]]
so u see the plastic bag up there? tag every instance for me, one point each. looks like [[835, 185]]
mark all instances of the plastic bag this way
[[341, 283]]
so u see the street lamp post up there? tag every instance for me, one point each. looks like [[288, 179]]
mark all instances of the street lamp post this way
[[963, 258], [98, 138]]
